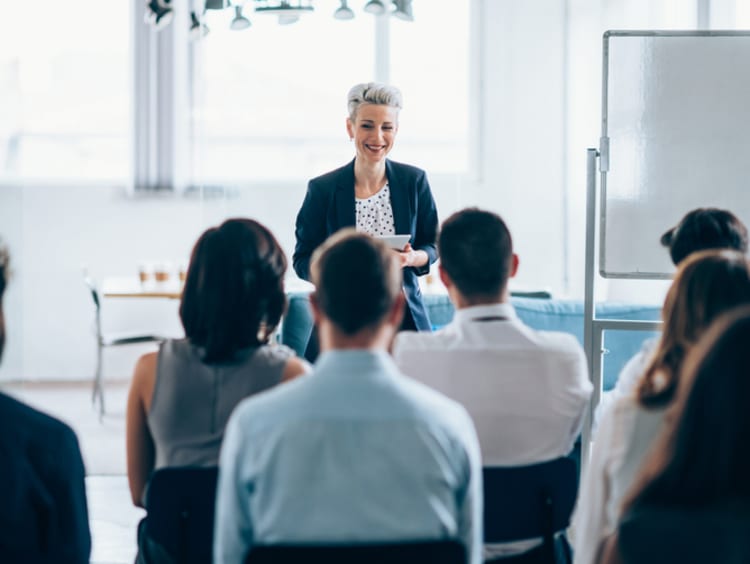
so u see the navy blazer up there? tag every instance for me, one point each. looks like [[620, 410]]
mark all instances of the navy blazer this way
[[43, 515], [329, 206]]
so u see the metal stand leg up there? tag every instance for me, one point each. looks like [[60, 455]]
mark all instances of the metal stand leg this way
[[98, 391]]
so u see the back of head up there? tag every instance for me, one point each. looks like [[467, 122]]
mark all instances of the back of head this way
[[707, 284], [373, 93], [705, 460], [357, 280], [4, 273], [705, 228], [234, 290], [476, 251]]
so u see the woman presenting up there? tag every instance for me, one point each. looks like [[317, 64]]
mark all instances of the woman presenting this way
[[375, 195]]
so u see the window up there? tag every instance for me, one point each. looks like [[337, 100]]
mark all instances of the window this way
[[430, 63], [64, 90], [270, 101]]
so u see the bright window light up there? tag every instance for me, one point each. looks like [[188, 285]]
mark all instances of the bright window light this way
[[65, 90]]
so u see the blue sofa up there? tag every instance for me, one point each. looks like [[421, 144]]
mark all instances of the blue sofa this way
[[540, 314]]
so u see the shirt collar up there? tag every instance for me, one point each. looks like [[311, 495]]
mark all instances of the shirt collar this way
[[469, 314], [355, 360]]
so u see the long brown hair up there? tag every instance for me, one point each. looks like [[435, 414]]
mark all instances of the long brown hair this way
[[704, 457], [707, 284]]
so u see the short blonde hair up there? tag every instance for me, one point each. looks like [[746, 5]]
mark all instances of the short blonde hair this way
[[373, 93]]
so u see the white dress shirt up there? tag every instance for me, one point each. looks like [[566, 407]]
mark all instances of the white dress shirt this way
[[622, 440], [525, 390], [354, 452]]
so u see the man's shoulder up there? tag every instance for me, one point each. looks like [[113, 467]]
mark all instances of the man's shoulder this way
[[414, 341], [29, 425], [433, 406], [556, 342]]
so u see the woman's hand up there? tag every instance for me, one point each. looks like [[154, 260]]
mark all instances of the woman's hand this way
[[409, 257]]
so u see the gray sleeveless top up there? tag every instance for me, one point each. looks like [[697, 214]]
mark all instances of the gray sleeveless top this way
[[192, 401]]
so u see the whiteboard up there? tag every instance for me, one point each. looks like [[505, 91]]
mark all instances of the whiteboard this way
[[675, 136]]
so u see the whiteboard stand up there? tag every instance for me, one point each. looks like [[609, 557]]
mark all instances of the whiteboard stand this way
[[674, 114], [593, 327]]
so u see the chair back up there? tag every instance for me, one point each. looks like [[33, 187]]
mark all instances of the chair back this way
[[525, 502], [180, 512], [91, 285], [432, 552]]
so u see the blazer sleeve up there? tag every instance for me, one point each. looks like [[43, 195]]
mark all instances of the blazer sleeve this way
[[427, 223], [310, 229]]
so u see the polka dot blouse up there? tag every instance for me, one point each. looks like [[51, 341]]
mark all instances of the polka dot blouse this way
[[374, 214]]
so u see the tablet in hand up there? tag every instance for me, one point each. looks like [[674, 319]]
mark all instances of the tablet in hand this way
[[397, 242]]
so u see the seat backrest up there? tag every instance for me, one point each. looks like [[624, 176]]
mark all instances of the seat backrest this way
[[180, 512], [524, 502], [713, 533], [434, 552], [91, 285]]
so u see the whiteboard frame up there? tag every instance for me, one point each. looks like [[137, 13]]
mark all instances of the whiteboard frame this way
[[604, 139]]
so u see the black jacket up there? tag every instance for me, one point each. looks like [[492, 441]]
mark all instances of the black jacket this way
[[329, 206], [43, 514]]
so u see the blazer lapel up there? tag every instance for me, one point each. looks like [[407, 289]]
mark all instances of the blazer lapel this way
[[344, 198], [399, 200]]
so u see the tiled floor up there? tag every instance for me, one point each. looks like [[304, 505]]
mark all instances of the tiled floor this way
[[112, 517]]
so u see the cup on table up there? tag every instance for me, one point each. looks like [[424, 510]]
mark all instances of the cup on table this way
[[145, 272], [162, 271], [182, 272]]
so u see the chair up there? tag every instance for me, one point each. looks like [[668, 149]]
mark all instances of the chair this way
[[435, 552], [108, 341], [180, 512], [525, 502]]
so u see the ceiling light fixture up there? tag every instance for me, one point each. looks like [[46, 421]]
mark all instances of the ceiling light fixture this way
[[239, 21], [216, 4], [343, 12], [403, 10], [158, 13], [198, 29], [287, 11], [375, 7]]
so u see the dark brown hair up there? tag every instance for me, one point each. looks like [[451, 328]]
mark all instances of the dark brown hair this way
[[476, 250], [357, 279], [707, 284], [704, 457], [234, 291], [705, 228]]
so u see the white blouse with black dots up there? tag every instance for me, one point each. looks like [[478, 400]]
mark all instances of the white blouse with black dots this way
[[375, 215]]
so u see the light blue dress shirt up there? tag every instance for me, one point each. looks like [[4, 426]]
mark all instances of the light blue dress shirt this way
[[354, 452]]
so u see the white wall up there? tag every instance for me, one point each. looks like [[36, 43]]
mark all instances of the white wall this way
[[521, 120]]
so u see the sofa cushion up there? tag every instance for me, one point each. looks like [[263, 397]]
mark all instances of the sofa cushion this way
[[539, 314]]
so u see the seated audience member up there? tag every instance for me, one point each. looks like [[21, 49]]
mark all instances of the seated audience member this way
[[356, 452], [706, 285], [181, 396], [526, 390], [691, 503], [43, 515], [701, 229]]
